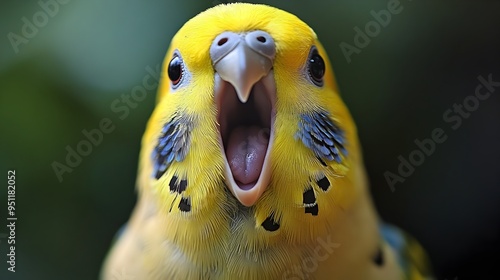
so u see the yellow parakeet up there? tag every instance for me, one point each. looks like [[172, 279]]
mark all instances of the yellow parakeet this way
[[250, 165]]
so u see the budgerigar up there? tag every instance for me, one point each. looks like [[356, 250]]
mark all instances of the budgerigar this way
[[250, 165]]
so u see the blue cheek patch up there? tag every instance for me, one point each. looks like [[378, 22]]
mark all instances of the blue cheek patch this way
[[173, 144], [319, 133]]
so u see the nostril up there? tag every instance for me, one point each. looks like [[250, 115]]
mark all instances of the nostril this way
[[222, 41], [223, 44], [261, 42]]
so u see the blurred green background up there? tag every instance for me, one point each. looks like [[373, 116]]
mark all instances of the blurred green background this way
[[88, 54]]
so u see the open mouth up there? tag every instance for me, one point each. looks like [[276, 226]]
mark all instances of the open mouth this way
[[246, 134]]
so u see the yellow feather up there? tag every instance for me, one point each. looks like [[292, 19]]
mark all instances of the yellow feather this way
[[219, 238]]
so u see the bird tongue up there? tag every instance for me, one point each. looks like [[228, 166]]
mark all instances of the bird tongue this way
[[246, 151]]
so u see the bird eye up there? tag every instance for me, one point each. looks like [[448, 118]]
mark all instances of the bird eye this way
[[175, 70], [316, 67]]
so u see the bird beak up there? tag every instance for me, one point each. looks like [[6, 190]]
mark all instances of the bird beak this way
[[243, 59], [245, 95]]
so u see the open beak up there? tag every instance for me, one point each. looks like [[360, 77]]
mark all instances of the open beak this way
[[245, 94]]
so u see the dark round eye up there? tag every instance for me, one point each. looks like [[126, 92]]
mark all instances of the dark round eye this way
[[175, 70], [316, 68]]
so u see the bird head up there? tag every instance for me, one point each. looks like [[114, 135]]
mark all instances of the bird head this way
[[249, 103]]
